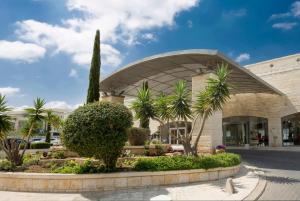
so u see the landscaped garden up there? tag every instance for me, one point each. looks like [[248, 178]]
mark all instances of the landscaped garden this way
[[94, 135]]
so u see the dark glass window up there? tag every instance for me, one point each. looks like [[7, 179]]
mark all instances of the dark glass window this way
[[241, 130], [291, 130]]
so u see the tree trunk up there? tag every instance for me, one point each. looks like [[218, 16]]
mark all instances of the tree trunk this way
[[187, 141], [48, 134], [199, 134], [28, 137]]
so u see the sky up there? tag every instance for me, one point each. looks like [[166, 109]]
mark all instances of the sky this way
[[46, 45]]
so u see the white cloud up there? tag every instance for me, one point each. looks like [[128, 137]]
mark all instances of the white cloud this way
[[242, 57], [284, 25], [293, 12], [235, 13], [19, 51], [61, 105], [73, 73], [149, 36], [296, 9], [190, 24], [120, 22], [9, 91]]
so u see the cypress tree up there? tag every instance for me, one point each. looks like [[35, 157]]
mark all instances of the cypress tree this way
[[93, 93]]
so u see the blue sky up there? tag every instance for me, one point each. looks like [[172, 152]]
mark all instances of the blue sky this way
[[45, 45]]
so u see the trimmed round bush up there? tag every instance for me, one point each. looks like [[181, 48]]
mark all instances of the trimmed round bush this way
[[98, 130], [40, 145], [137, 136]]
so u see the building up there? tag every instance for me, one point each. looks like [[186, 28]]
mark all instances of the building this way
[[19, 118], [264, 109]]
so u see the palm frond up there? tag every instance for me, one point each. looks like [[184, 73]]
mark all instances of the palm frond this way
[[180, 101], [215, 94]]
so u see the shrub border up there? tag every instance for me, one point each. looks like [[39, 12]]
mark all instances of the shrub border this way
[[44, 182]]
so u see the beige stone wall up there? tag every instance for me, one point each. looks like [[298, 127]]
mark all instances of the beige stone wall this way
[[39, 182], [113, 99], [281, 73], [258, 105], [212, 133]]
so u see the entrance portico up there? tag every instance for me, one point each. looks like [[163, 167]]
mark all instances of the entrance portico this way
[[194, 66]]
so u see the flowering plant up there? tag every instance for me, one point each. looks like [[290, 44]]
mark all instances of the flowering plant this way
[[221, 147]]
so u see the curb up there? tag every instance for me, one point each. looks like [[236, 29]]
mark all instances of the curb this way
[[259, 189]]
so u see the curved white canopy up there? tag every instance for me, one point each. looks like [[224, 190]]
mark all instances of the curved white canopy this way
[[163, 70]]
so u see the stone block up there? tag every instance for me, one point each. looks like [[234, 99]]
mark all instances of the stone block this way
[[171, 179], [183, 178], [89, 184], [158, 180], [194, 177], [120, 182], [213, 175], [76, 184], [146, 181], [134, 182]]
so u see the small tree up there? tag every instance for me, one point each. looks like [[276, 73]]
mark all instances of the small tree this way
[[143, 106], [98, 130], [181, 110], [163, 110], [5, 126], [212, 99], [94, 79], [52, 121], [11, 146]]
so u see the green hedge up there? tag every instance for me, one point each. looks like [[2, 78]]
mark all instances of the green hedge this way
[[40, 145], [165, 163]]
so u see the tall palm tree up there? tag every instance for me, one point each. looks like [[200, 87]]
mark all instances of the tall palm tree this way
[[143, 106], [163, 110], [212, 99], [5, 125], [181, 110], [52, 120], [5, 120], [36, 115]]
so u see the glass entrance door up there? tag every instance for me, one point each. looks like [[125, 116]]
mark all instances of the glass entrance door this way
[[174, 134], [238, 131], [234, 134]]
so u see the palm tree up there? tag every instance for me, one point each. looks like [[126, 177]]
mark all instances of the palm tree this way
[[163, 111], [52, 120], [181, 110], [143, 106], [5, 120], [36, 115], [212, 99], [5, 125]]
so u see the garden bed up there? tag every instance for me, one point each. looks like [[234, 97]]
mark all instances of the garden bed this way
[[38, 182]]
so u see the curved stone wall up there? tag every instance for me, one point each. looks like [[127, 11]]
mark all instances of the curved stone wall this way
[[42, 182]]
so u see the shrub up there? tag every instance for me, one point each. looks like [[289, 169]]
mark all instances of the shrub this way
[[72, 167], [40, 145], [137, 136], [6, 165], [58, 155], [31, 159], [155, 141], [98, 130], [164, 163]]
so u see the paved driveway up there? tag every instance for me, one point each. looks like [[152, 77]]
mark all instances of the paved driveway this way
[[282, 170]]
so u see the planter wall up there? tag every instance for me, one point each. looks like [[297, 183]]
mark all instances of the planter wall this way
[[37, 182]]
